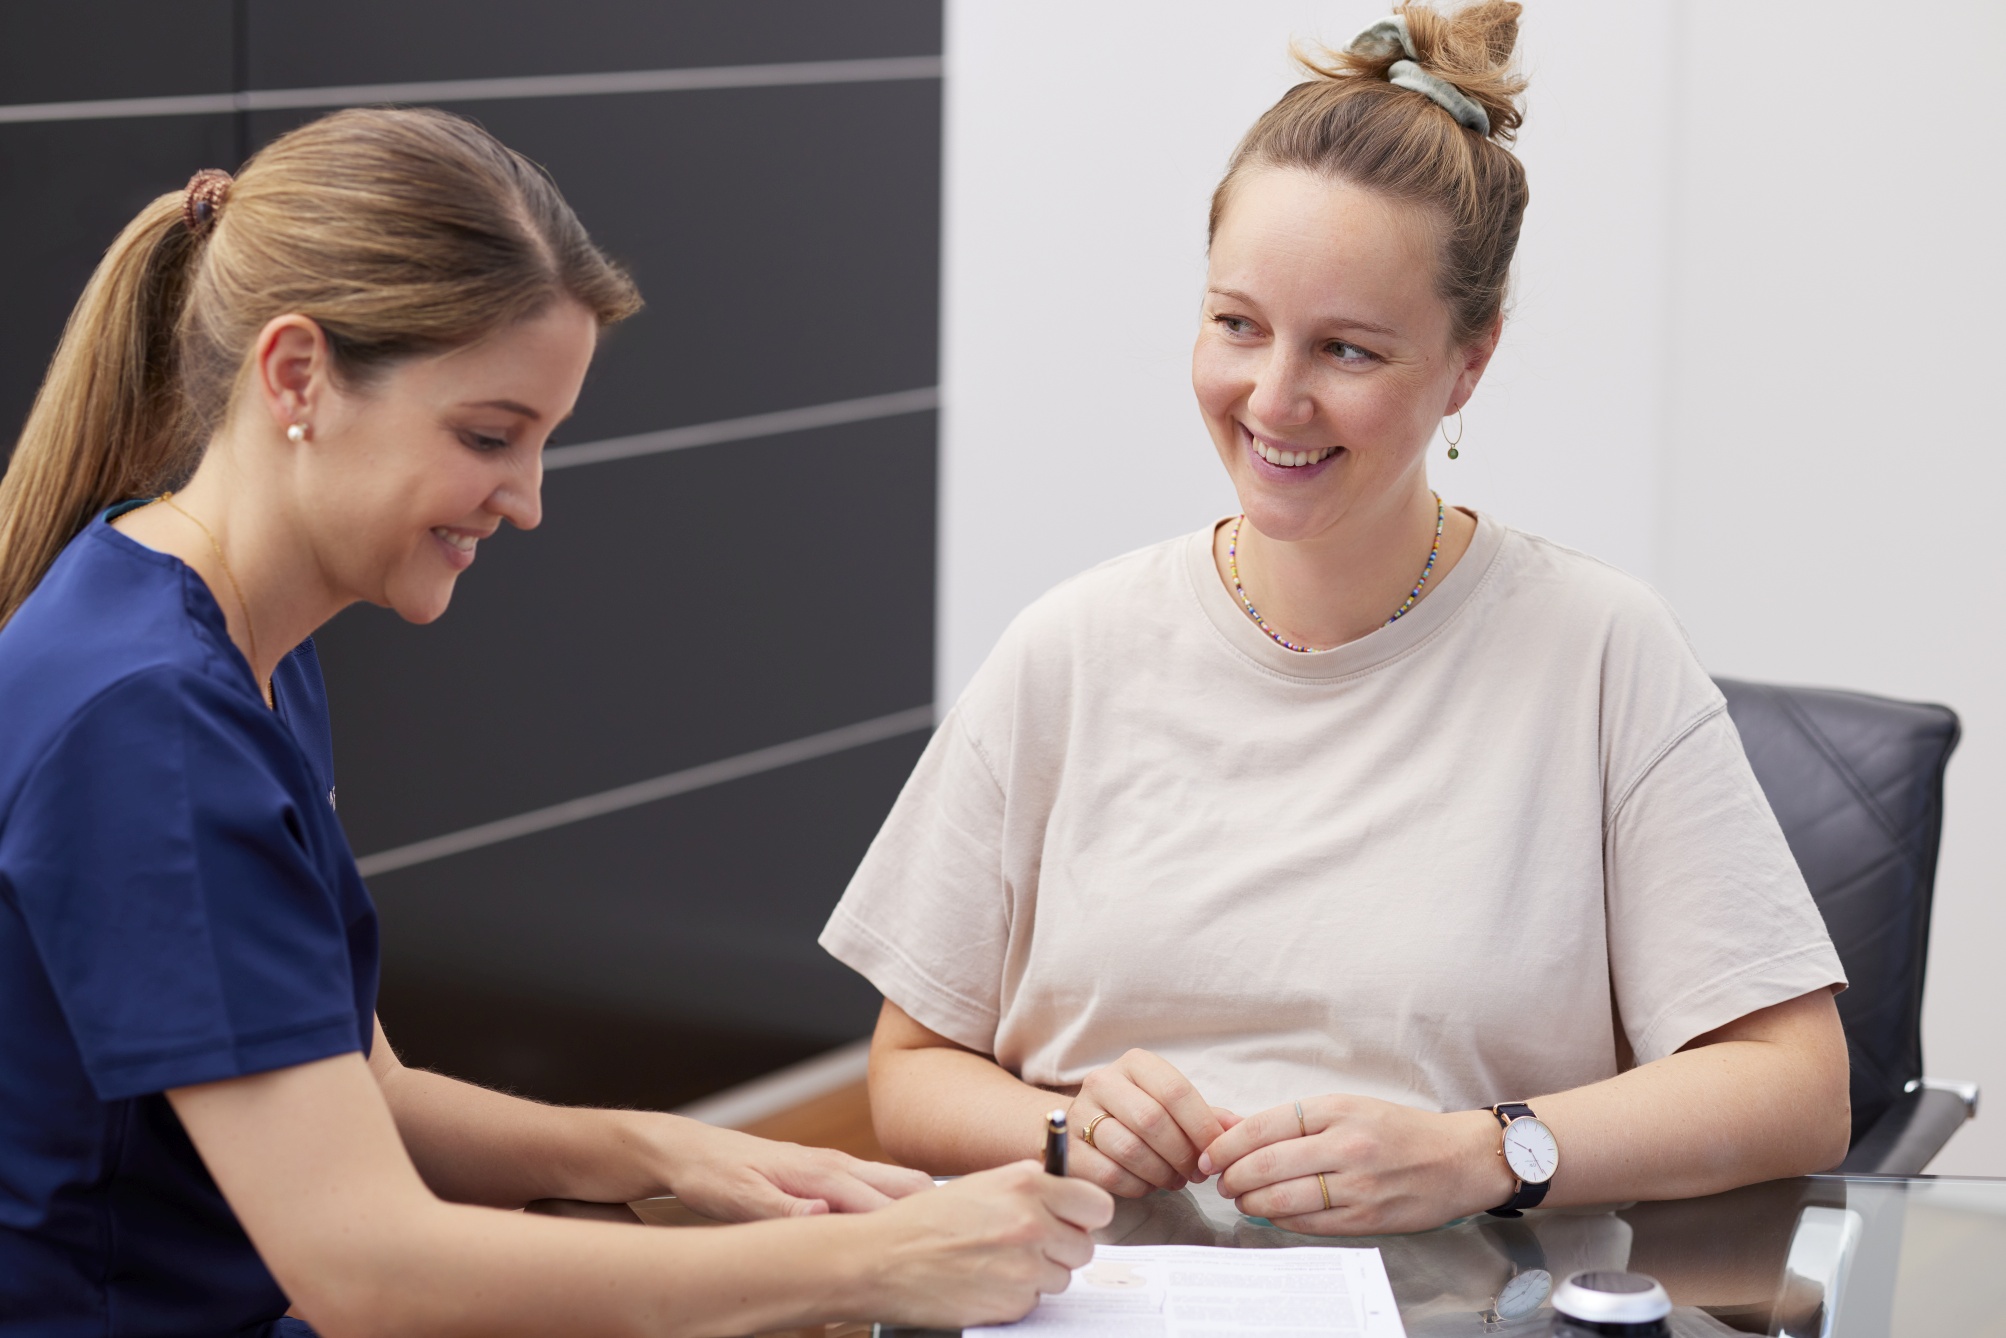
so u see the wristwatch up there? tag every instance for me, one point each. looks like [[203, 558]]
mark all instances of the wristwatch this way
[[1529, 1149]]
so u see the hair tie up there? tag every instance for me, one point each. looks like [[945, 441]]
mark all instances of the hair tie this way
[[1389, 37], [207, 190]]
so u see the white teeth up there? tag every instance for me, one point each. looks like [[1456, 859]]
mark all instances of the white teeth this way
[[1291, 459], [464, 542]]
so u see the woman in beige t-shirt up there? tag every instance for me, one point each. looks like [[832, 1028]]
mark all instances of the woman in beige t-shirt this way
[[1293, 846]]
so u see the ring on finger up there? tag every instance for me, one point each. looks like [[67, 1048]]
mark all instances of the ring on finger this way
[[1087, 1134], [1301, 1124], [1325, 1187]]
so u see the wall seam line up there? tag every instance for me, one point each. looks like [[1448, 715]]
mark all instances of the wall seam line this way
[[866, 409], [889, 69], [689, 779]]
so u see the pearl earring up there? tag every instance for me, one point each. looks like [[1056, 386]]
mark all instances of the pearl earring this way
[[296, 433]]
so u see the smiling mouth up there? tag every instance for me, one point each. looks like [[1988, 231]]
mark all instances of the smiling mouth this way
[[452, 539], [1275, 455]]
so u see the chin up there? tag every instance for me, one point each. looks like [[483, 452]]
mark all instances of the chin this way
[[1288, 519], [421, 606]]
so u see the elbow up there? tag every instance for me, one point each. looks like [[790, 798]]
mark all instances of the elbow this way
[[361, 1308], [1823, 1132], [894, 1133], [1837, 1135], [351, 1286]]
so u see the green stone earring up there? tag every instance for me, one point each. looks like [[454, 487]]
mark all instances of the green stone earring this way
[[1453, 452]]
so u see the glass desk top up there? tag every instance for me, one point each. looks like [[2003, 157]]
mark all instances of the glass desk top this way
[[1849, 1256]]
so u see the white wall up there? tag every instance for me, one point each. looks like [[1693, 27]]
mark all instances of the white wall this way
[[1746, 360], [1835, 449]]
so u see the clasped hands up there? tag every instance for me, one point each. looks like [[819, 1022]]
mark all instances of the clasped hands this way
[[1384, 1167]]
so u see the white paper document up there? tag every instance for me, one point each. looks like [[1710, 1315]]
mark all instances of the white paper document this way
[[1205, 1291]]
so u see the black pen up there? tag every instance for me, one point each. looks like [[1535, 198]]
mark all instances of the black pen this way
[[1055, 1143]]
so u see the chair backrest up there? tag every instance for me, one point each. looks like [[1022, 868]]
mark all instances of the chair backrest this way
[[1857, 784]]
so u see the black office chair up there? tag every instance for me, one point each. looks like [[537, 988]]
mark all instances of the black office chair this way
[[1857, 783]]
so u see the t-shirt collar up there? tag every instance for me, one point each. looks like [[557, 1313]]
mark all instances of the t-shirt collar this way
[[1377, 647]]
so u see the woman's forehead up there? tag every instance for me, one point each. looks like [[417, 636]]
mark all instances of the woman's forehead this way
[[1290, 235]]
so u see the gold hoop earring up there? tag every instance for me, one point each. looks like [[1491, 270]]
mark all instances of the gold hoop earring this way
[[296, 433], [1453, 452]]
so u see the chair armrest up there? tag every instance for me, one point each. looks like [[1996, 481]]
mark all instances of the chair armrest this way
[[1914, 1129]]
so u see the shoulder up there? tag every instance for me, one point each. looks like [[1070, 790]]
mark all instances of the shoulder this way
[[1531, 566], [149, 706], [148, 728], [1570, 595], [107, 608], [1604, 640]]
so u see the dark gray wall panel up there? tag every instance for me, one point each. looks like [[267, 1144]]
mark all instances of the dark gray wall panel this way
[[787, 241], [704, 907], [671, 610], [70, 186], [295, 45], [76, 50]]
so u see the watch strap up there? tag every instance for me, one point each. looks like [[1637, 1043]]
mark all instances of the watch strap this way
[[1524, 1195]]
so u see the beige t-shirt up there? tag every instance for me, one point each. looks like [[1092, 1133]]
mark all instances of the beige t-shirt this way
[[1491, 850]]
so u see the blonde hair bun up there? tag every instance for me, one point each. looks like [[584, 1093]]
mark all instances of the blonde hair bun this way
[[1470, 48]]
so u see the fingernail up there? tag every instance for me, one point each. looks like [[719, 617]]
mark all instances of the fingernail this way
[[1205, 1163]]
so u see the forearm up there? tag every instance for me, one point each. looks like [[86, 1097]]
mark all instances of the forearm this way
[[950, 1111], [473, 1145], [1757, 1099], [1698, 1122], [450, 1269]]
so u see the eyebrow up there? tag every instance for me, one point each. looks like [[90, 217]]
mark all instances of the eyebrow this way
[[506, 406], [1336, 322]]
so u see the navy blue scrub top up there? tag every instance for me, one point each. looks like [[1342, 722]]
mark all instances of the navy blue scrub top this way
[[177, 905]]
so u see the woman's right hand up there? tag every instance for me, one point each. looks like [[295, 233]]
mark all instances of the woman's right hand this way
[[1155, 1126], [981, 1249]]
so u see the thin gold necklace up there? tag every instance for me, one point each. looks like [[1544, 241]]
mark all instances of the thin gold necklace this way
[[243, 605]]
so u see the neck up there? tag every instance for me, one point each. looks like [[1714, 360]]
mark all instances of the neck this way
[[1333, 587], [279, 589]]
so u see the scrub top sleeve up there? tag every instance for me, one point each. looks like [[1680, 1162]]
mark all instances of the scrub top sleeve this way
[[166, 877]]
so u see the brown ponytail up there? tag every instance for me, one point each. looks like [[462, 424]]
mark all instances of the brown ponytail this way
[[106, 422], [401, 232]]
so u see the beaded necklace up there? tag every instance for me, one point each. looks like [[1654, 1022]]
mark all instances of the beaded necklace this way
[[1413, 596]]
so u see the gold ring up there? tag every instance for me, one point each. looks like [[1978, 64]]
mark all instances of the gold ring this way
[[1301, 1124], [1087, 1134], [1324, 1187]]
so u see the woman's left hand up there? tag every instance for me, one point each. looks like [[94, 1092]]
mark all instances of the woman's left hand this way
[[1388, 1168], [735, 1177]]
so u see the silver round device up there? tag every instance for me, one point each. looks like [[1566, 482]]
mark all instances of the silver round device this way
[[1603, 1296]]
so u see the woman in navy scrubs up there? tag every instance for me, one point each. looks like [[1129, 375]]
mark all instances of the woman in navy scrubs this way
[[325, 382]]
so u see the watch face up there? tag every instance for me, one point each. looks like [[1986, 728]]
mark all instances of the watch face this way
[[1524, 1294], [1530, 1151]]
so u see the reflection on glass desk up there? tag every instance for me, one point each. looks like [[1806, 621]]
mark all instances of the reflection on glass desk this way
[[1849, 1256]]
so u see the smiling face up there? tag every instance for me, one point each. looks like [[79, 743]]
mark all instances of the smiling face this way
[[403, 477], [1324, 360]]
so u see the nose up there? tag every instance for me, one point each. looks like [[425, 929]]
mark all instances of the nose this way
[[519, 498], [1281, 395]]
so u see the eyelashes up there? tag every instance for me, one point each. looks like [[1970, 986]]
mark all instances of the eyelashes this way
[[1344, 352]]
